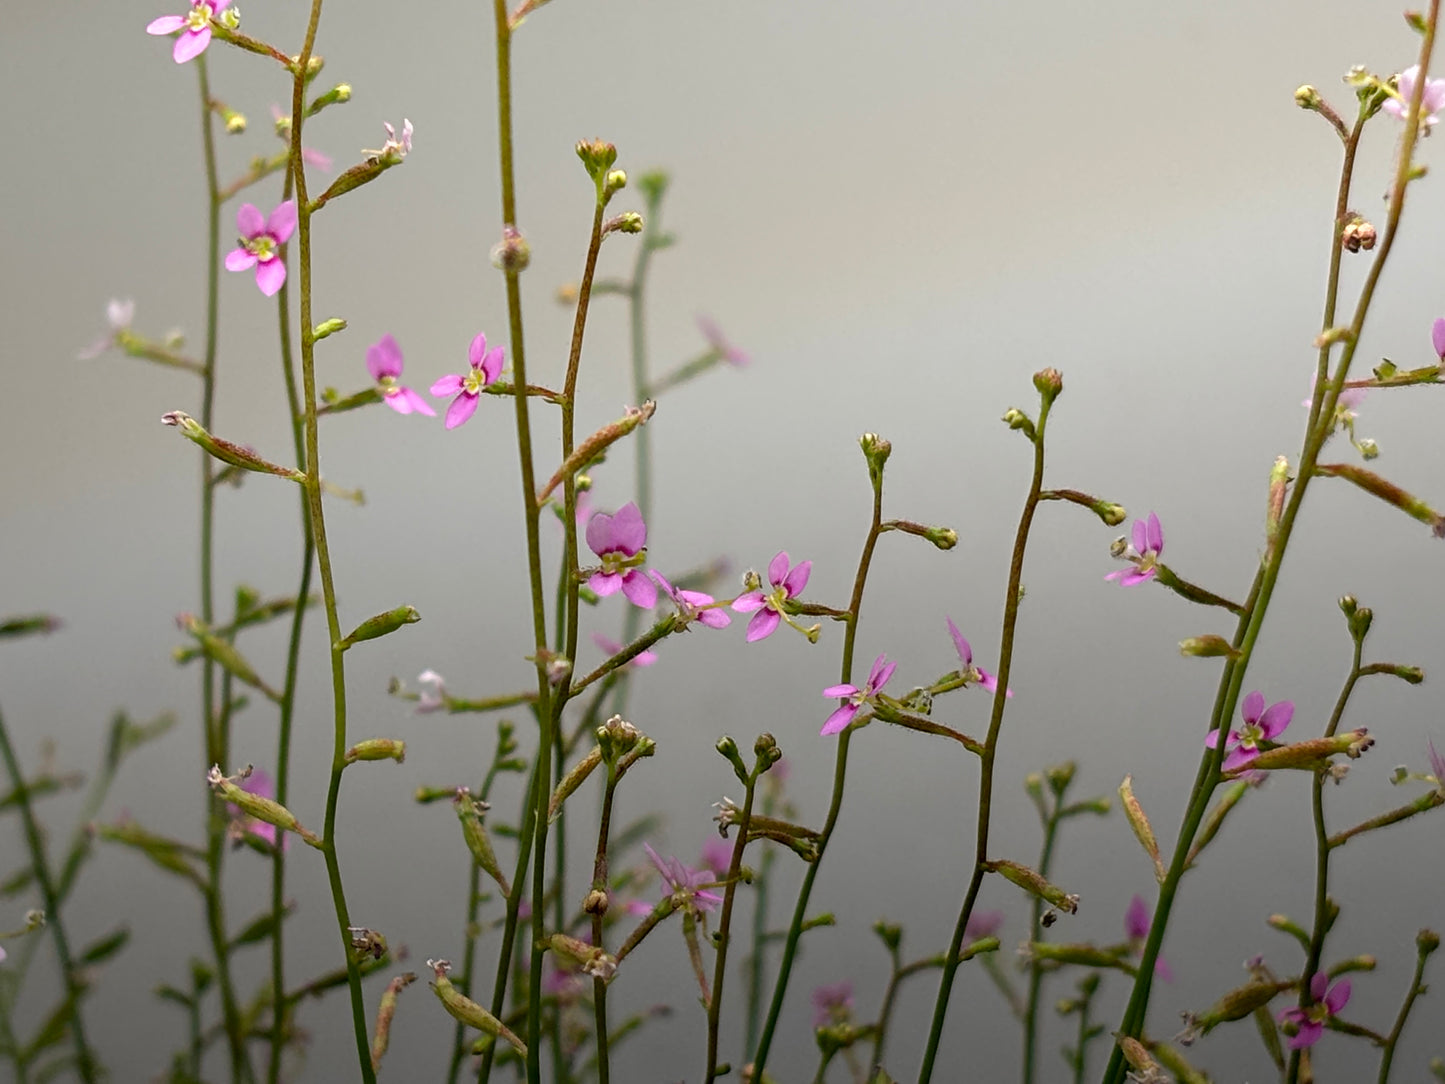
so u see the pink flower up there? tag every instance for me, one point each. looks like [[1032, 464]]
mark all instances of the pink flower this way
[[1437, 337], [855, 697], [717, 855], [486, 367], [612, 647], [196, 25], [1437, 763], [720, 344], [1350, 398], [787, 583], [384, 363], [970, 673], [693, 605], [1144, 554], [983, 924], [1328, 1001], [620, 540], [394, 149], [1261, 724], [260, 244], [1430, 103], [684, 884], [832, 1004], [1136, 928]]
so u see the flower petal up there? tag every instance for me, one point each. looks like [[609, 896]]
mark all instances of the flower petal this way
[[747, 603], [1338, 997], [798, 578], [778, 568], [965, 653], [282, 221], [762, 625], [447, 385], [839, 720], [238, 259], [629, 533], [599, 533], [605, 583], [1137, 919], [271, 275], [1140, 535], [478, 350], [640, 591], [414, 402], [191, 44], [492, 365], [1239, 756], [1252, 708], [166, 24], [249, 220], [841, 690], [384, 359], [462, 408], [1309, 1034], [1275, 718], [1437, 337], [1155, 534]]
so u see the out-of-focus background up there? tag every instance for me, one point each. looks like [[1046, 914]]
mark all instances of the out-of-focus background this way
[[900, 212]]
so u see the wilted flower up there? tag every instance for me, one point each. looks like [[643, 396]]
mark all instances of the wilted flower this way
[[970, 673], [620, 540], [693, 605], [684, 884], [832, 1004], [384, 362], [394, 149], [1261, 724], [433, 692], [486, 367], [719, 342], [787, 583], [1144, 553], [118, 314], [196, 27], [1430, 103], [1328, 1001], [260, 244], [856, 697]]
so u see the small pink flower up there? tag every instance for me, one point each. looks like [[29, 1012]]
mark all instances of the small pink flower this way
[[855, 697], [620, 540], [787, 582], [832, 1004], [1437, 337], [196, 25], [717, 855], [1136, 928], [971, 674], [260, 244], [1431, 102], [1144, 554], [1328, 1001], [693, 605], [684, 884], [1261, 724], [983, 924], [384, 362], [394, 149], [612, 647], [467, 387], [719, 342], [259, 783]]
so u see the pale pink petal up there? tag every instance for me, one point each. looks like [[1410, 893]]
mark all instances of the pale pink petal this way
[[271, 276], [447, 385], [629, 533], [166, 24], [599, 533], [1132, 577], [462, 408], [492, 365], [384, 359], [478, 350], [1141, 535], [762, 625], [879, 677], [839, 720], [1212, 741], [1239, 757], [218, 6], [747, 603], [282, 221], [238, 259], [965, 653], [1155, 534], [605, 583], [640, 591], [413, 403], [715, 618], [1338, 997], [1437, 337], [778, 568], [249, 220], [191, 44], [834, 691]]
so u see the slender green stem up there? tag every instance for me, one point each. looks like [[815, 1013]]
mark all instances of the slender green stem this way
[[1417, 987], [1322, 856], [890, 995], [217, 746], [1256, 609], [85, 1062], [601, 879], [990, 750], [323, 551], [835, 804], [757, 962], [1036, 971], [725, 919], [288, 691]]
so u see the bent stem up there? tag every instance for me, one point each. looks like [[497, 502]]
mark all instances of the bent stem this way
[[840, 775], [323, 553], [725, 919], [1257, 606], [990, 749]]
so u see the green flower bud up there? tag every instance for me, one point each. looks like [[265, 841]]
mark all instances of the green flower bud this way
[[377, 749], [1050, 383], [1208, 646], [1015, 418], [380, 625], [466, 1011], [1307, 97], [328, 327], [597, 157], [728, 749]]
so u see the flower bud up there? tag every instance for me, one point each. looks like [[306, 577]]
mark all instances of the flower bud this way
[[616, 180], [945, 538], [626, 222], [511, 254], [1015, 418], [1279, 479], [1050, 383], [328, 327], [1307, 97], [1034, 785], [224, 450], [466, 1011], [1357, 234], [380, 625], [1060, 776], [616, 738], [597, 157], [653, 186], [1032, 883], [596, 902], [377, 749], [1427, 941], [1368, 449], [728, 749], [337, 95], [1208, 647], [890, 933], [469, 812], [876, 451], [235, 122], [589, 958]]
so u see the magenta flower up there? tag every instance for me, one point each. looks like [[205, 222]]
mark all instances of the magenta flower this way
[[1437, 337], [832, 1004], [684, 884], [1261, 724], [196, 25], [970, 673], [983, 924], [1430, 103], [486, 367], [787, 583], [1144, 554], [717, 855], [1136, 928], [855, 697], [260, 244], [384, 363], [719, 342], [620, 540], [1437, 764], [1328, 1001], [693, 605], [612, 647]]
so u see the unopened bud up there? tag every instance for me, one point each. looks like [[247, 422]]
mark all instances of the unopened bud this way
[[1060, 776], [1357, 234], [876, 451], [1307, 97], [1049, 382], [728, 748], [591, 959], [328, 327], [596, 902], [466, 1011], [377, 749], [945, 538], [626, 222], [616, 180], [380, 625], [1208, 647], [1034, 785], [1015, 418], [1427, 941], [337, 95], [1032, 883], [597, 157], [235, 122], [511, 254]]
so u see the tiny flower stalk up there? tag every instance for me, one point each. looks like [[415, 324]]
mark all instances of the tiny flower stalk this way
[[1426, 942], [1109, 513]]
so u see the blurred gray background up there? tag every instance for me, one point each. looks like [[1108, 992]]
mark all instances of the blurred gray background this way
[[901, 211]]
